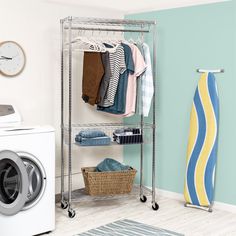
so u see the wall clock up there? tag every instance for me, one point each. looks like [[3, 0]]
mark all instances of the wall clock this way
[[12, 58]]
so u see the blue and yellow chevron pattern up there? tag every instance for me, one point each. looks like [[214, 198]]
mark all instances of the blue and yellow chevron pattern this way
[[202, 145]]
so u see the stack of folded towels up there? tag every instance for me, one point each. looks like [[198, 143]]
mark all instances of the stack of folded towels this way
[[92, 138]]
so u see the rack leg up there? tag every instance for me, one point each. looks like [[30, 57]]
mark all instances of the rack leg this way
[[141, 171], [64, 203], [71, 212], [155, 206], [143, 198]]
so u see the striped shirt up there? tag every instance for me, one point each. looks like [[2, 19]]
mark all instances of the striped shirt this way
[[117, 65]]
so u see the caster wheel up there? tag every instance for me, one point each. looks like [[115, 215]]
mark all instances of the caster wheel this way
[[64, 205], [143, 198], [210, 210], [71, 213], [155, 206]]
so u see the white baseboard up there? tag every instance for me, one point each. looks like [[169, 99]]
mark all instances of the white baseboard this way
[[224, 207], [169, 194], [179, 197]]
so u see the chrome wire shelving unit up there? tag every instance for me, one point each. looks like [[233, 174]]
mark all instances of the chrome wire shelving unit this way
[[70, 27]]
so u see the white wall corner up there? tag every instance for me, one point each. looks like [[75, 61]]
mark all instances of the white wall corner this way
[[171, 4]]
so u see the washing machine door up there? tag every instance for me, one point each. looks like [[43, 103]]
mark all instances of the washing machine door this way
[[37, 179], [14, 183]]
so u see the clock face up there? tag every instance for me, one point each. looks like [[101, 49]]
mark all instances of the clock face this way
[[12, 58]]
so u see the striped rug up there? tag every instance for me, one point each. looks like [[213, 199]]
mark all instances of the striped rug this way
[[128, 228]]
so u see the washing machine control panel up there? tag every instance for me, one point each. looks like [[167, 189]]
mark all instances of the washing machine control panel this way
[[6, 110], [9, 116]]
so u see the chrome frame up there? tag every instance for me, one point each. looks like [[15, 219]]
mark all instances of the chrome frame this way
[[62, 113], [68, 25], [154, 118], [107, 22], [141, 146], [107, 29]]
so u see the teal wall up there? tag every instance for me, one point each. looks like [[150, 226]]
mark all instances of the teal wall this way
[[190, 38]]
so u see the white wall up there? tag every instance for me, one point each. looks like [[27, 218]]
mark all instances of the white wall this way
[[134, 6], [36, 92]]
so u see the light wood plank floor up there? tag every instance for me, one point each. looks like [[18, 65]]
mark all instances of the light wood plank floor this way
[[172, 215]]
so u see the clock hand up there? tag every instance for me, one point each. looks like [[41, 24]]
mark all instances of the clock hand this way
[[5, 58]]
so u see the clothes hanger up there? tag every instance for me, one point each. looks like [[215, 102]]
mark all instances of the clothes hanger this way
[[94, 43], [100, 41], [82, 42], [140, 40], [90, 44], [131, 40], [98, 45]]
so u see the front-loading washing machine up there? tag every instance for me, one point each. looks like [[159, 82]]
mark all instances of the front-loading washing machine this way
[[27, 180]]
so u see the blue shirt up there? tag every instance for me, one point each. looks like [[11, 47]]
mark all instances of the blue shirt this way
[[120, 98]]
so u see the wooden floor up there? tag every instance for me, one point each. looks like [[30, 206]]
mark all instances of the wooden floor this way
[[172, 215]]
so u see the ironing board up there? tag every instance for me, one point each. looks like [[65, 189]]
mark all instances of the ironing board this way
[[202, 144]]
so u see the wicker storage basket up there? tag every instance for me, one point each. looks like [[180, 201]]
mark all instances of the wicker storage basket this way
[[107, 183]]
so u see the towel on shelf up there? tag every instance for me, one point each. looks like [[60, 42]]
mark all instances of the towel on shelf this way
[[109, 164], [91, 133], [97, 141]]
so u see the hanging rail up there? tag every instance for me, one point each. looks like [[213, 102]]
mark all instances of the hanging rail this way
[[107, 29]]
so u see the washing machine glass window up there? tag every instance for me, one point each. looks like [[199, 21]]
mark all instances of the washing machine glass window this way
[[10, 181], [37, 179], [14, 183]]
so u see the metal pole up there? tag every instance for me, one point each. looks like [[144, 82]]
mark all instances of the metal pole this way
[[212, 71], [141, 146], [107, 29], [70, 117], [62, 114], [154, 119]]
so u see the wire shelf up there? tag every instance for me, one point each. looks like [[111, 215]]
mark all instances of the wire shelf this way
[[80, 195], [142, 134]]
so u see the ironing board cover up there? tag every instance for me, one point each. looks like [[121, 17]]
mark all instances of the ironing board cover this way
[[202, 143]]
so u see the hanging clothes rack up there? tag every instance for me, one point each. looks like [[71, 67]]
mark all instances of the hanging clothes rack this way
[[70, 25]]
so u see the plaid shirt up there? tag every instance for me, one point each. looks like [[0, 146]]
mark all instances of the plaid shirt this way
[[146, 88]]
